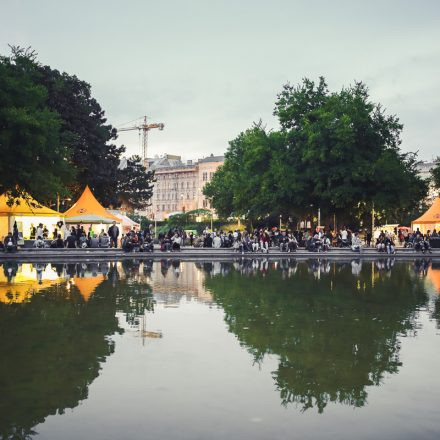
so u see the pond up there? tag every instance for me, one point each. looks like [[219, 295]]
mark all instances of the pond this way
[[243, 349]]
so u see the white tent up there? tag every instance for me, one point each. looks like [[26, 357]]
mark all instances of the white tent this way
[[127, 223]]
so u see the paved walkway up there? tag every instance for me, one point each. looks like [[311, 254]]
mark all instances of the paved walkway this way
[[191, 253]]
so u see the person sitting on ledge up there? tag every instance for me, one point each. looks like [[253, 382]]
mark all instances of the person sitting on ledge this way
[[39, 242], [127, 244], [57, 243], [93, 241], [356, 243], [177, 241], [104, 240], [9, 244], [83, 241], [70, 241]]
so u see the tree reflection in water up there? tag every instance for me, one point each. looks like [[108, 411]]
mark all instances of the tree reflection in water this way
[[54, 342], [335, 327]]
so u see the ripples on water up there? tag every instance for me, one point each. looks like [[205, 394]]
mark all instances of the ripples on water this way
[[331, 330]]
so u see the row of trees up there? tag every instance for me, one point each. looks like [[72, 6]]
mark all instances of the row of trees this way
[[55, 139], [337, 151]]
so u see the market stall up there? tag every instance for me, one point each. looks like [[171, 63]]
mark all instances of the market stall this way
[[127, 223], [28, 213], [90, 213], [430, 220]]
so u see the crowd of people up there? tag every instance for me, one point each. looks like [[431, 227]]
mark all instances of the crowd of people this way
[[247, 241]]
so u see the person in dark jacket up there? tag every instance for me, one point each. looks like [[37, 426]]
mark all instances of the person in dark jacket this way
[[9, 244], [70, 241], [113, 232]]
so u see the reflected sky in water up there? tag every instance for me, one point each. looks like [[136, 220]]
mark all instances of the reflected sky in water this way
[[240, 349]]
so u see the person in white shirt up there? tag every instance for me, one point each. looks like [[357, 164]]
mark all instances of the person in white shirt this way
[[356, 243], [39, 232], [216, 242], [344, 233]]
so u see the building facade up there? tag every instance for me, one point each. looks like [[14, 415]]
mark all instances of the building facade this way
[[179, 185], [424, 170]]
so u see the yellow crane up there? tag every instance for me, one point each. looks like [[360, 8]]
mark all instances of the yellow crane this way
[[145, 127]]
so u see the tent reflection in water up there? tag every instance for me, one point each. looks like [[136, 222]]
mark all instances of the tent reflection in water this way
[[19, 282], [430, 220], [88, 285], [87, 210], [26, 212]]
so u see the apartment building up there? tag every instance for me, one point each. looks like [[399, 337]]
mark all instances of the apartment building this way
[[179, 185]]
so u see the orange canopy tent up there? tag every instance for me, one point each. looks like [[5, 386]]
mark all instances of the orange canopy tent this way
[[430, 220], [88, 210]]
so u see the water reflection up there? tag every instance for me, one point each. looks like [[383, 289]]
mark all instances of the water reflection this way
[[53, 343], [334, 327]]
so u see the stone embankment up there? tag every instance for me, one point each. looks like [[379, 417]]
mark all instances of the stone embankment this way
[[189, 253]]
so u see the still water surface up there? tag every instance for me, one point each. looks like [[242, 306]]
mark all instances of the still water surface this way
[[233, 350]]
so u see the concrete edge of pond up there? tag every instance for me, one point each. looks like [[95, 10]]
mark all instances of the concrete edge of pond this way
[[197, 254]]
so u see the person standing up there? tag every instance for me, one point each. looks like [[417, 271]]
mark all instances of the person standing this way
[[113, 232]]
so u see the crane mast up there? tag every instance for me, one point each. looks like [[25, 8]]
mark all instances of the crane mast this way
[[145, 127]]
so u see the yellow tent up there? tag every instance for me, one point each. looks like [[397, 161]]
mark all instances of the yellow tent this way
[[25, 211], [430, 220], [88, 210]]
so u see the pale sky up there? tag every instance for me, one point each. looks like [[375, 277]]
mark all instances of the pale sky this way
[[208, 69]]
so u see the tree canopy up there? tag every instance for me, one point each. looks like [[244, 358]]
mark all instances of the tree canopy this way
[[336, 151], [135, 187], [34, 160], [55, 139]]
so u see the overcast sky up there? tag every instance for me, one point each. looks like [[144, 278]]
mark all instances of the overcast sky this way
[[208, 69]]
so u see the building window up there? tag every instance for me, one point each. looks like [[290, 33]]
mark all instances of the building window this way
[[205, 177], [210, 175], [163, 207]]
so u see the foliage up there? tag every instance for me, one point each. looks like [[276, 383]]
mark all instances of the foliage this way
[[135, 186], [84, 129], [34, 160], [55, 139], [330, 347], [336, 151], [56, 344]]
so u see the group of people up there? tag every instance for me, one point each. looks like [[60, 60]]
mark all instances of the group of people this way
[[247, 241], [77, 237]]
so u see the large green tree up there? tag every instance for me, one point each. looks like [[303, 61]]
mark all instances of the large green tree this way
[[55, 139], [135, 184], [33, 158], [85, 131], [335, 151]]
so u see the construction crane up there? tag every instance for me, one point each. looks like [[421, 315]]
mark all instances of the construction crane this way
[[145, 128]]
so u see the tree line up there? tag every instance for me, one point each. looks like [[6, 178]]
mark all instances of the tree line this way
[[55, 138], [334, 151]]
